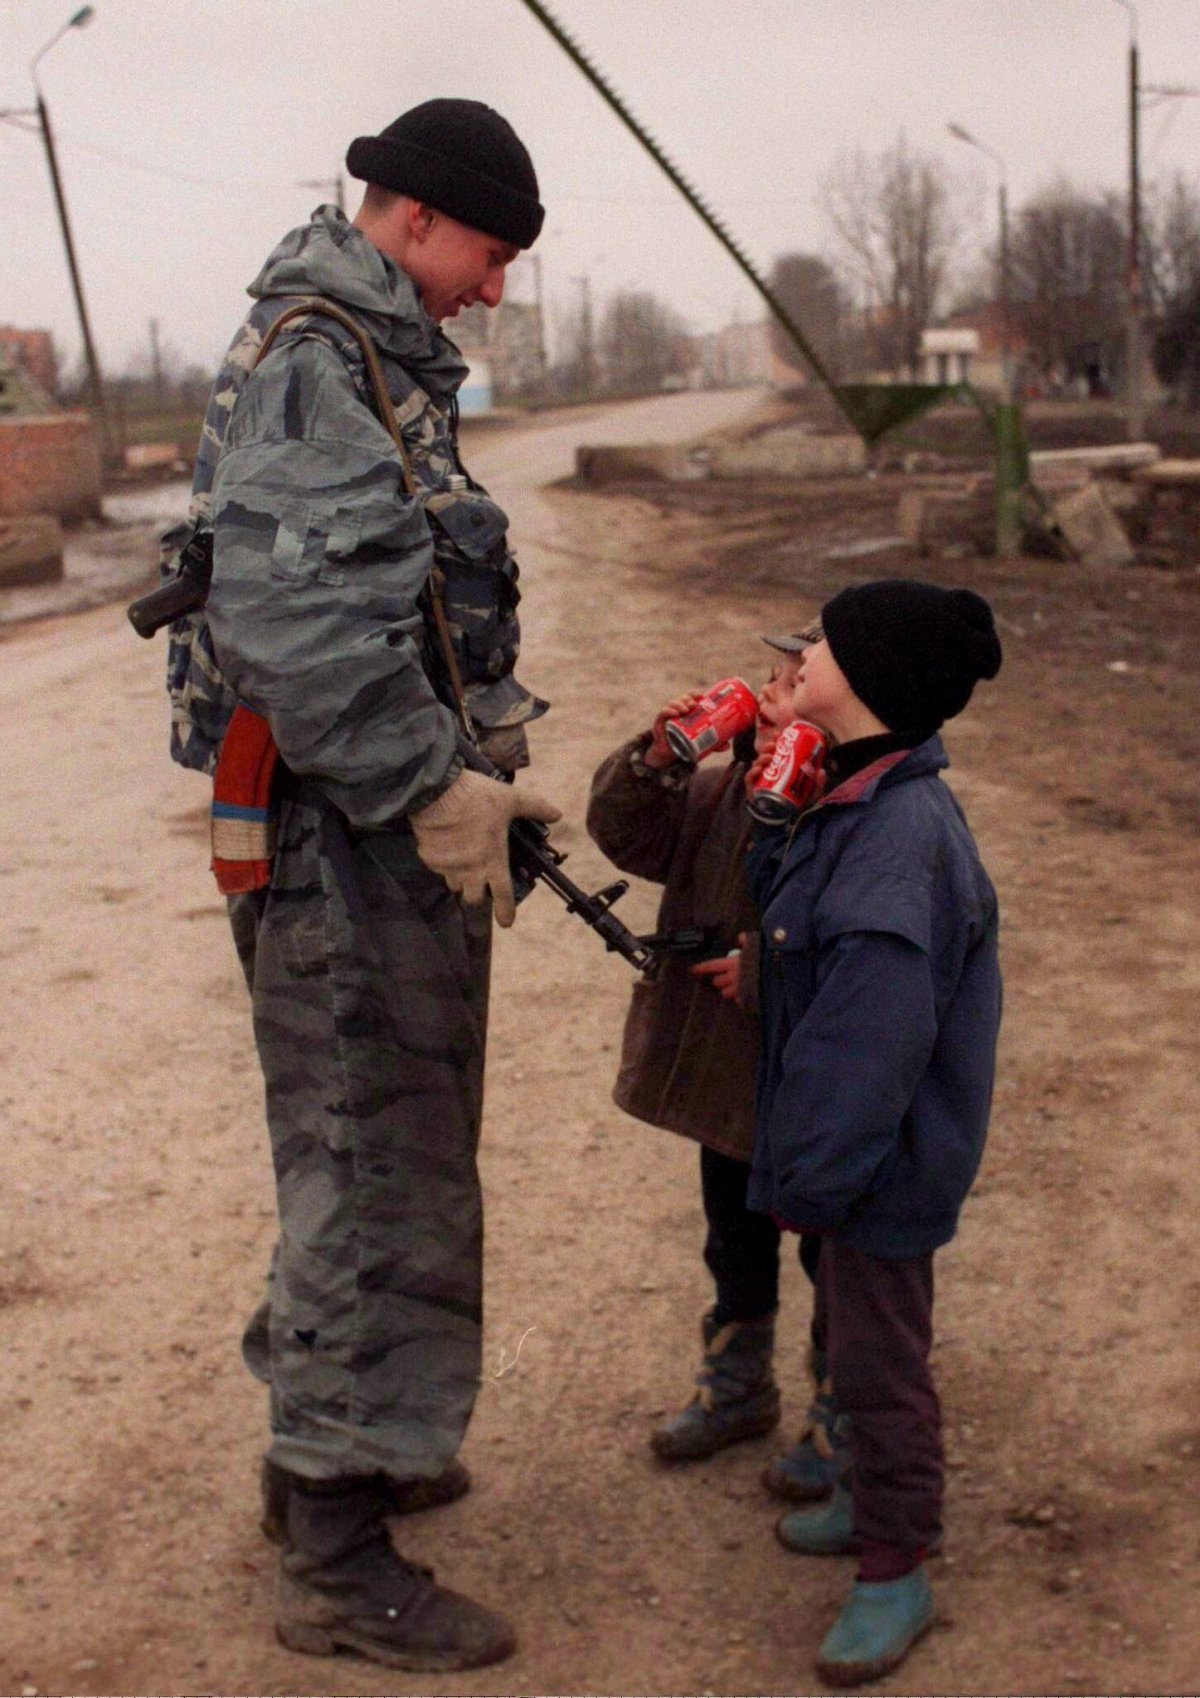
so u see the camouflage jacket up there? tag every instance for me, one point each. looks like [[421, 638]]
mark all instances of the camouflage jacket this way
[[316, 613]]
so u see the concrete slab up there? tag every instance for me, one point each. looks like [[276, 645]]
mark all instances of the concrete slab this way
[[1170, 474], [1114, 457], [789, 453], [664, 462], [31, 551], [1092, 529]]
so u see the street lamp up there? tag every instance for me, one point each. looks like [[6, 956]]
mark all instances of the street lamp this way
[[963, 135], [77, 20], [1011, 471], [325, 183]]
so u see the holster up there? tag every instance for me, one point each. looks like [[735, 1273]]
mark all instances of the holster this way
[[243, 818]]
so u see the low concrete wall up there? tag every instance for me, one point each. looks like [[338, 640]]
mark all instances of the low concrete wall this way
[[49, 463], [31, 552], [1112, 457], [620, 462], [789, 454]]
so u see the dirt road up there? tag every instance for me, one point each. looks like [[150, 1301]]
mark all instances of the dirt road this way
[[139, 1212]]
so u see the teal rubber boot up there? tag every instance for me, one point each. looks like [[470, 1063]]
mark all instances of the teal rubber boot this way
[[877, 1629], [820, 1458], [827, 1530], [736, 1395]]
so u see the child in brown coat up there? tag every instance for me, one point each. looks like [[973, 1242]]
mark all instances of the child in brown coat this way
[[690, 1055]]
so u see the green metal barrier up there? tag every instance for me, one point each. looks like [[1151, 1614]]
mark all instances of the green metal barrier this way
[[873, 409]]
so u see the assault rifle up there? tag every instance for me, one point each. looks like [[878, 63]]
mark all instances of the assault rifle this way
[[534, 859]]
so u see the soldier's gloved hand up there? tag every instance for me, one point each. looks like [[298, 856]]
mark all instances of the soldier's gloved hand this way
[[463, 835]]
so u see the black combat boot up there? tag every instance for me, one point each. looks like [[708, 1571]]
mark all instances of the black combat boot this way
[[342, 1587], [400, 1497], [736, 1396]]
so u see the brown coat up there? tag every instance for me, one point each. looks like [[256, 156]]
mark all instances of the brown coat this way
[[689, 1057]]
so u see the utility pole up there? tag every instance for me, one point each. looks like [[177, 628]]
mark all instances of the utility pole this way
[[41, 115], [335, 183], [1005, 290], [1134, 408], [1011, 469], [156, 370], [95, 382], [540, 307], [585, 352]]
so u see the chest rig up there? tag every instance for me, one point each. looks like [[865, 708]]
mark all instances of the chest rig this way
[[472, 632]]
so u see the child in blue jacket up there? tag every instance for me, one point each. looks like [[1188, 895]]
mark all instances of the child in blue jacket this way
[[880, 1006]]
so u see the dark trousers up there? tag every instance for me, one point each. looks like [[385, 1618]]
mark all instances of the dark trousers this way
[[880, 1318], [741, 1249]]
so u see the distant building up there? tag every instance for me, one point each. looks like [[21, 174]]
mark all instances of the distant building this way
[[476, 393], [949, 356], [738, 357], [510, 338], [49, 458], [33, 351], [19, 392]]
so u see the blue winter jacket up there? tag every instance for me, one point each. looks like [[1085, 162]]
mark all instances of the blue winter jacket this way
[[880, 1010]]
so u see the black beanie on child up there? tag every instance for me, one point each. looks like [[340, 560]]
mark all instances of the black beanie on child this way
[[911, 652], [462, 158]]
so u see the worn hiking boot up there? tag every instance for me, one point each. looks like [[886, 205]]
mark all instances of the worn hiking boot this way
[[736, 1396], [876, 1630], [400, 1497], [342, 1587], [819, 1459]]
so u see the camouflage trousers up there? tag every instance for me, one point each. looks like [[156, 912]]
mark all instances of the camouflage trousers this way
[[370, 1031]]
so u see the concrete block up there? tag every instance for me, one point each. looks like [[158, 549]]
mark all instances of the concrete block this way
[[1092, 529], [959, 515], [151, 456], [1115, 457], [631, 461], [31, 551], [789, 453], [1170, 474]]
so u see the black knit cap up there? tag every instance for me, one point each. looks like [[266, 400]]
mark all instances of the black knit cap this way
[[461, 158], [912, 652]]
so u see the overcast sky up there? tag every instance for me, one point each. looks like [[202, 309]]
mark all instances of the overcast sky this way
[[186, 126]]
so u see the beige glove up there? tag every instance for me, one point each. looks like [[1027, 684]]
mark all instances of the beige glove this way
[[463, 835]]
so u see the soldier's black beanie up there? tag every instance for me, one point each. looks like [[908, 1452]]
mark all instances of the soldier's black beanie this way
[[911, 652], [462, 158]]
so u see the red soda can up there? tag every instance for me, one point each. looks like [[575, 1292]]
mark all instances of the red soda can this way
[[794, 776], [721, 713]]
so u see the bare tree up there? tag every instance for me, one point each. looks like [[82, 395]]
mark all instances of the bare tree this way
[[1171, 241], [897, 224], [1171, 268], [572, 370], [642, 341], [1067, 257], [807, 288]]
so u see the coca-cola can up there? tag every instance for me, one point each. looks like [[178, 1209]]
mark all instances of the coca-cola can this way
[[794, 777], [722, 712]]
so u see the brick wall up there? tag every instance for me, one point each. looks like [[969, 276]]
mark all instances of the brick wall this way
[[49, 463], [33, 349]]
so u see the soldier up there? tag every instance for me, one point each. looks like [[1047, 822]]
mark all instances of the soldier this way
[[367, 954]]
